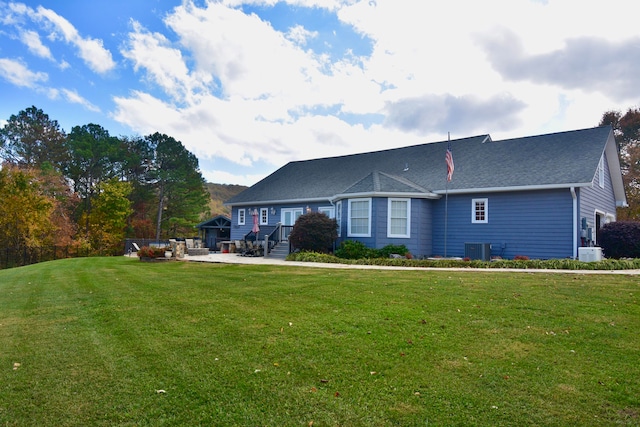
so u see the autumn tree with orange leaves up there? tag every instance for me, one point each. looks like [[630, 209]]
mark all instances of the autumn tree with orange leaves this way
[[626, 128]]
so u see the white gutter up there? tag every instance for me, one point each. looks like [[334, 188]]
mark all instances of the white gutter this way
[[279, 201], [575, 221], [515, 188]]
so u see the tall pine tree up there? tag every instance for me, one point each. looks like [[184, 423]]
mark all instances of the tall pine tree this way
[[180, 188]]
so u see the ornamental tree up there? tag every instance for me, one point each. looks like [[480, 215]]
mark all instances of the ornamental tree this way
[[314, 231]]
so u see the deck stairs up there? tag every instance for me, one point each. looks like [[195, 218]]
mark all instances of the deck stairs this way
[[280, 250]]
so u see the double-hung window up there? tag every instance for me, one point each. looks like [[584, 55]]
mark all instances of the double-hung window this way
[[399, 218], [479, 211], [264, 216], [241, 216], [359, 220]]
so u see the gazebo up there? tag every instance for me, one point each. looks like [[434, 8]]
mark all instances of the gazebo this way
[[215, 230]]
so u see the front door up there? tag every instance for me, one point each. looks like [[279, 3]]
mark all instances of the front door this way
[[288, 219]]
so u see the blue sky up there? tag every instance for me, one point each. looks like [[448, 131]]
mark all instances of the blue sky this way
[[251, 85]]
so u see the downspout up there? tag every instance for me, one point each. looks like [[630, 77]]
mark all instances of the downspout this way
[[575, 221], [331, 201]]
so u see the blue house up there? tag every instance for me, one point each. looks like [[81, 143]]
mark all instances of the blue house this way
[[540, 196]]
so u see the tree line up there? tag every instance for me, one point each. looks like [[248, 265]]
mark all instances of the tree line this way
[[90, 189], [626, 128]]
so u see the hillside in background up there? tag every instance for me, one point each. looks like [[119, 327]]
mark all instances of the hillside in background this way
[[219, 193]]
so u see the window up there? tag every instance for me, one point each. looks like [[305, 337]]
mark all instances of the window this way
[[359, 224], [327, 210], [480, 211], [339, 217], [399, 218], [264, 216], [241, 213], [601, 172]]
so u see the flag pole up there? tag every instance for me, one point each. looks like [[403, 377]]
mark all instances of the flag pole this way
[[446, 201]]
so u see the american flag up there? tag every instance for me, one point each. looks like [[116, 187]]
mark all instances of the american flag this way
[[449, 159]]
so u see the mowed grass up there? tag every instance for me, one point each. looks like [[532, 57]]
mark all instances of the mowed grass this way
[[117, 342]]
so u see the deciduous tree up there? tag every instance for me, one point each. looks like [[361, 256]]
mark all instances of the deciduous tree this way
[[25, 210], [626, 128], [314, 231], [108, 218]]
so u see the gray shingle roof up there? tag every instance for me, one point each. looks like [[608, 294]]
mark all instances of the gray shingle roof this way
[[557, 159], [380, 182]]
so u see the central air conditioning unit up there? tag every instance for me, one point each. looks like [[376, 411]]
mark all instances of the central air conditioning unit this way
[[481, 251], [590, 254]]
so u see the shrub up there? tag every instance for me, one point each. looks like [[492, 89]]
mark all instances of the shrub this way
[[620, 239], [386, 251], [151, 252], [315, 232], [353, 249], [556, 264]]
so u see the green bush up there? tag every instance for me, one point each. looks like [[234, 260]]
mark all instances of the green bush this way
[[550, 264], [620, 239], [353, 249], [386, 251]]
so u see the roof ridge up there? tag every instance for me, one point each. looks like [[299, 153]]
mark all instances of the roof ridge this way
[[553, 133], [405, 181], [385, 150], [376, 180]]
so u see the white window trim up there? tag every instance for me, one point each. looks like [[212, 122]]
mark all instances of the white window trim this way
[[407, 234], [241, 216], [349, 233], [601, 172], [473, 211], [328, 210], [264, 216], [295, 214]]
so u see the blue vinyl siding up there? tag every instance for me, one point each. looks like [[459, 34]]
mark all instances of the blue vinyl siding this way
[[537, 224], [239, 231], [597, 199], [420, 241]]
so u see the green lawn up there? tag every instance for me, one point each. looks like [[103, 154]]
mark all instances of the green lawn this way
[[117, 342]]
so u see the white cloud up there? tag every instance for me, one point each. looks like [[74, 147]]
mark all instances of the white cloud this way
[[32, 40], [164, 64], [242, 91], [298, 34], [325, 4], [17, 73], [238, 178], [73, 97], [90, 50], [249, 58]]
